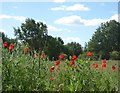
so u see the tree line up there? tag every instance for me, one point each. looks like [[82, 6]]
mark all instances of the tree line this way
[[105, 42]]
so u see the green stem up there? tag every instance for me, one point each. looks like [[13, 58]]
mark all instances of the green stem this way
[[39, 62]]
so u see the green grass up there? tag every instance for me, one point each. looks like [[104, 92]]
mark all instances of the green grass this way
[[109, 65], [108, 72], [22, 72]]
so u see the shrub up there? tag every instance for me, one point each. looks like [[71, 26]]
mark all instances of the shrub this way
[[84, 56], [115, 55]]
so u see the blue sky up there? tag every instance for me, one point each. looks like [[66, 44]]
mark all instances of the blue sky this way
[[72, 21]]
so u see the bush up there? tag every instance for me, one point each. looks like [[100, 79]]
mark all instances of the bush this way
[[84, 56], [115, 55]]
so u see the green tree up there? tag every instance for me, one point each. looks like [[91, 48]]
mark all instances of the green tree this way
[[6, 39], [54, 47], [33, 33], [105, 39], [115, 55], [74, 48]]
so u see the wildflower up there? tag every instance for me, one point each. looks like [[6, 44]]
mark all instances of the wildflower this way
[[52, 68], [89, 54], [57, 62], [104, 61], [36, 54], [26, 50], [62, 56], [74, 57], [96, 65], [103, 65], [113, 67], [42, 55], [11, 46], [5, 44], [71, 62], [75, 67]]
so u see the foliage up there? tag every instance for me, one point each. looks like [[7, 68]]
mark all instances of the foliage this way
[[33, 33], [22, 72], [115, 55], [74, 48], [6, 39], [105, 39], [54, 47], [84, 56]]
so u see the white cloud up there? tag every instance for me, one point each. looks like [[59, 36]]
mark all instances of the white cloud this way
[[41, 21], [2, 30], [71, 39], [5, 17], [93, 22], [19, 18], [75, 7], [59, 8], [69, 20], [59, 1], [55, 29], [115, 17], [77, 20], [52, 28]]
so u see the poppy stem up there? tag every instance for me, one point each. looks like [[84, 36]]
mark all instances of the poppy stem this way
[[39, 62], [89, 73]]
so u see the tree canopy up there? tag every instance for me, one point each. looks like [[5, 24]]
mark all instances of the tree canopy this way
[[74, 48], [53, 47], [33, 33], [105, 42], [106, 39]]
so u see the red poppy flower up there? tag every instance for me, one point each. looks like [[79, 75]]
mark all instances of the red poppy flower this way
[[57, 62], [36, 54], [26, 50], [52, 68], [96, 65], [103, 65], [11, 46], [5, 44], [74, 57], [104, 61], [113, 67], [62, 56], [42, 55], [89, 54], [71, 62], [75, 67]]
